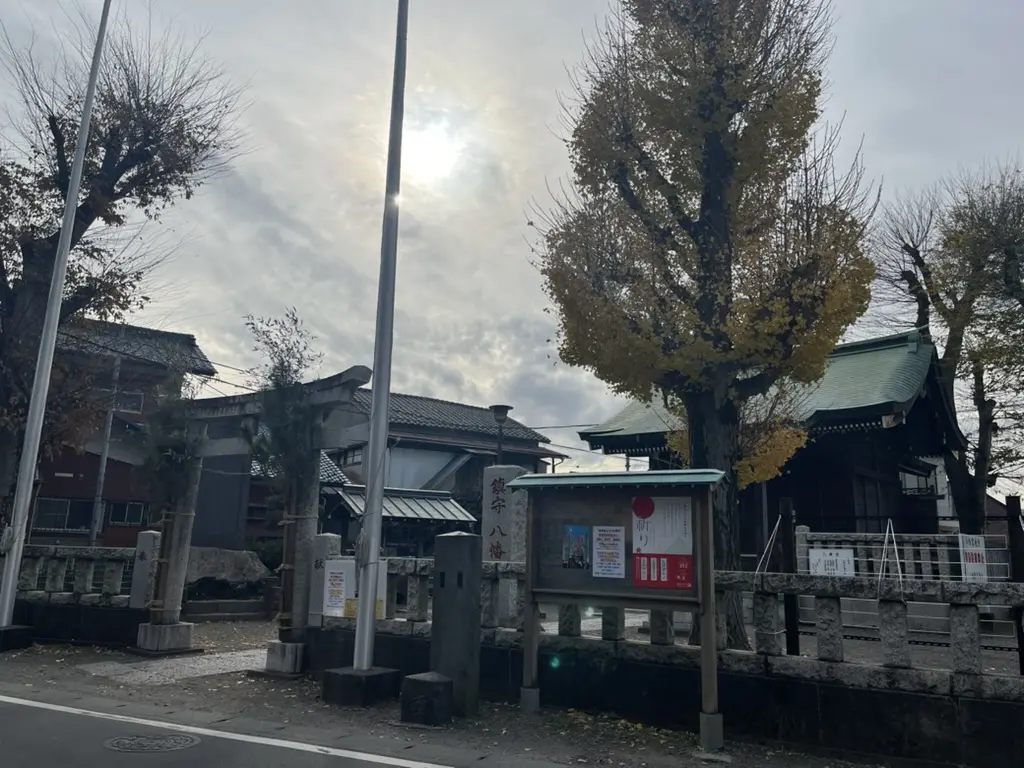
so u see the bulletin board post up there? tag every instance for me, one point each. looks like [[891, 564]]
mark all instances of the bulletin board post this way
[[642, 540]]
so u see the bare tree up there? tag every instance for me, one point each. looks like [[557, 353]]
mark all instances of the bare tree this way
[[162, 125], [939, 261]]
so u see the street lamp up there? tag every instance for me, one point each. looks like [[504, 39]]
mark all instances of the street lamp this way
[[500, 414]]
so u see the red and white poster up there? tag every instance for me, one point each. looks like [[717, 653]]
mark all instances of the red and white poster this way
[[663, 542]]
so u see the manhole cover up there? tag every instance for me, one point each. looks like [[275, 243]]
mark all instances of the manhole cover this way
[[170, 742]]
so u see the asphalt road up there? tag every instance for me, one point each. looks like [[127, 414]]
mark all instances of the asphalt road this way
[[34, 735]]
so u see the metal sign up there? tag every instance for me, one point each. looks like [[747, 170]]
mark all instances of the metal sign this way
[[831, 562], [973, 562]]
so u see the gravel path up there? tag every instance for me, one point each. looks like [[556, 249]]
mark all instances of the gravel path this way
[[567, 737]]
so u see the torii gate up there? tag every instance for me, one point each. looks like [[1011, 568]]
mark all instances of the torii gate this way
[[166, 633]]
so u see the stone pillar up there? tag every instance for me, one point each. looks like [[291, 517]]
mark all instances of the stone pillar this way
[[663, 632], [147, 548], [766, 624], [490, 589], [829, 620], [802, 556], [503, 530], [613, 624], [417, 595], [892, 628], [178, 548], [570, 621], [325, 547], [165, 633], [455, 631], [965, 638], [306, 525]]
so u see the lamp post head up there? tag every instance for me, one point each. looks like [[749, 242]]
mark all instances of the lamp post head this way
[[500, 413]]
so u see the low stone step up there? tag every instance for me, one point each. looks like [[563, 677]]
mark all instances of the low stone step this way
[[199, 607], [208, 617]]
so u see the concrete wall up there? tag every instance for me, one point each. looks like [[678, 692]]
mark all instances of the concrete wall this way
[[931, 718]]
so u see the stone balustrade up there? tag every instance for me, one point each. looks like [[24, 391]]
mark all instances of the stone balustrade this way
[[966, 604], [83, 575], [921, 556]]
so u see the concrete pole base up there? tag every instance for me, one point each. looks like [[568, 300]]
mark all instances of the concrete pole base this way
[[349, 687], [165, 639], [712, 732], [285, 658], [529, 700]]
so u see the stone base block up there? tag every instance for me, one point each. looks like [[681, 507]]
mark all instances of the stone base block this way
[[165, 639], [14, 638], [427, 699], [712, 732], [285, 658], [529, 699], [350, 687]]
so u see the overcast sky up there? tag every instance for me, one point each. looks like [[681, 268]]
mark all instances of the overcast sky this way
[[927, 84]]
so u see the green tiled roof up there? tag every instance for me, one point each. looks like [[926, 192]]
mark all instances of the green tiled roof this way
[[863, 379], [657, 478]]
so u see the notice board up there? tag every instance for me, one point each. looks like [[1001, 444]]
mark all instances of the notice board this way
[[624, 543]]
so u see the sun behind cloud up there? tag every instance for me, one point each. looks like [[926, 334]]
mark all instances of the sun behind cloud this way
[[430, 153]]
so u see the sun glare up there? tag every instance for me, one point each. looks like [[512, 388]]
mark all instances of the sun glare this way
[[429, 153]]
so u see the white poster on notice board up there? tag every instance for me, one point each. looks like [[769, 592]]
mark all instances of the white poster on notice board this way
[[609, 552]]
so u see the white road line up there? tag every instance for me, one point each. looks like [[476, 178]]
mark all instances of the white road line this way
[[396, 762]]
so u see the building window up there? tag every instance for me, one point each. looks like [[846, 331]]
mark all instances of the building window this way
[[125, 402], [352, 456], [62, 515], [127, 512]]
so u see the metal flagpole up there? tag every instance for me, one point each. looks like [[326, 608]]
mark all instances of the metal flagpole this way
[[381, 398], [44, 362]]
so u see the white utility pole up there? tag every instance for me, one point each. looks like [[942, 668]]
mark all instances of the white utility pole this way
[[380, 403], [47, 341]]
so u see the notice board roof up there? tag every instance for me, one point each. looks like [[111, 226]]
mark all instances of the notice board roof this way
[[661, 478]]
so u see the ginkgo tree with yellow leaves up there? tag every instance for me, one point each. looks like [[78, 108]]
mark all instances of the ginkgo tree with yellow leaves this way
[[708, 248]]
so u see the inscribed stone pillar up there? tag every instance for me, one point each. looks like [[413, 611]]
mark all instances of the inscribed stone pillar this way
[[325, 547], [147, 547], [503, 530]]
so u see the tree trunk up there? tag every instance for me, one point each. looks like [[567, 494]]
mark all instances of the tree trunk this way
[[962, 489], [713, 423]]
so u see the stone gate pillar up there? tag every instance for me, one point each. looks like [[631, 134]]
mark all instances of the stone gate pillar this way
[[503, 531]]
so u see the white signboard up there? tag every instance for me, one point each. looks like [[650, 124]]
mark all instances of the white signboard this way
[[972, 557], [831, 562], [341, 587], [609, 552], [336, 576]]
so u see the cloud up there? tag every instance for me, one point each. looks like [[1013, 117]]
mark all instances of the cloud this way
[[297, 220]]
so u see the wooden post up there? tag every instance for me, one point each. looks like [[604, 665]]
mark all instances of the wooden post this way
[[1015, 541], [712, 736], [791, 606], [529, 694]]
